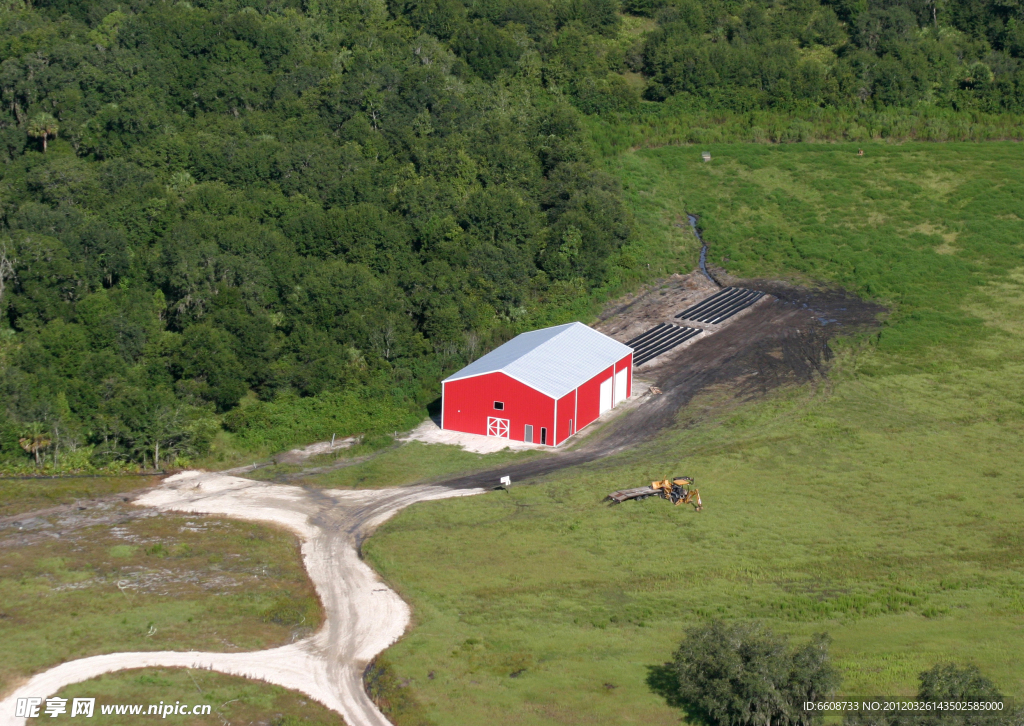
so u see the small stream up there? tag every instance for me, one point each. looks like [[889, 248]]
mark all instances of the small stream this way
[[703, 249]]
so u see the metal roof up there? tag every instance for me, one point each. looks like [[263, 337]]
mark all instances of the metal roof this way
[[553, 361]]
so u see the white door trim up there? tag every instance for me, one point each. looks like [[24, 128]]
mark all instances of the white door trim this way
[[605, 400], [497, 427], [620, 387]]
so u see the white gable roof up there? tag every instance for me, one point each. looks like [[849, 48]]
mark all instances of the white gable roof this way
[[553, 361]]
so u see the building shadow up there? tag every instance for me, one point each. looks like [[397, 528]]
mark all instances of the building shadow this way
[[434, 410]]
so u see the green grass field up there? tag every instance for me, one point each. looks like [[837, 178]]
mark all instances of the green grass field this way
[[233, 701], [882, 506], [28, 495], [915, 226], [161, 583], [394, 466]]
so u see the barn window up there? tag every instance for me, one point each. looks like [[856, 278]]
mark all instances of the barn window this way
[[543, 435], [499, 405]]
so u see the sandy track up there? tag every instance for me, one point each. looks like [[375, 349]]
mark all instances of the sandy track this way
[[364, 616]]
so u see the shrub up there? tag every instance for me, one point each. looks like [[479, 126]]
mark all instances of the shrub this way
[[392, 696], [291, 421], [735, 675], [947, 682]]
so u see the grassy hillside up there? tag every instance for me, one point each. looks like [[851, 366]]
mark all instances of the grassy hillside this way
[[917, 227], [881, 506]]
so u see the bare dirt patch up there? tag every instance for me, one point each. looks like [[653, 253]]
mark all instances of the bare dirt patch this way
[[653, 304], [661, 304], [62, 521]]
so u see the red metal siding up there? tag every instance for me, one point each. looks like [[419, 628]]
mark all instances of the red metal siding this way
[[566, 416], [589, 404], [469, 402]]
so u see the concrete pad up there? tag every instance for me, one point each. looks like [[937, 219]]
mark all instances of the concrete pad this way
[[430, 432]]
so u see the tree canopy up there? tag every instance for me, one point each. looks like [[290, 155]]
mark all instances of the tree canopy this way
[[744, 675], [959, 55], [948, 683], [270, 204], [212, 204]]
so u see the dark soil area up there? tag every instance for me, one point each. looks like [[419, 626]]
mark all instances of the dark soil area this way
[[57, 522], [784, 340]]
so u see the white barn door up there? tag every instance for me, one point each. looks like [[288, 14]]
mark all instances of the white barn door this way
[[621, 385], [606, 396], [497, 427]]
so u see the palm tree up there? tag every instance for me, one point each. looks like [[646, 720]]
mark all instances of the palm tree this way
[[42, 126], [34, 441]]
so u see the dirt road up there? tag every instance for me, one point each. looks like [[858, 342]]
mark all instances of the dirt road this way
[[364, 616]]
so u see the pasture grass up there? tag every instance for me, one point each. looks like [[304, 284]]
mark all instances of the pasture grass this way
[[893, 527], [916, 226], [158, 583], [882, 505], [233, 701], [413, 462], [27, 495]]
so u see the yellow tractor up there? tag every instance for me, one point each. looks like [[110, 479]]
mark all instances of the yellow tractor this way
[[678, 490]]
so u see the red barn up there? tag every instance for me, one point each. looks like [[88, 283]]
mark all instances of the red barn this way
[[540, 387]]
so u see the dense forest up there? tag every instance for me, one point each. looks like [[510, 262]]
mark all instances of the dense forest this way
[[209, 204], [744, 55], [297, 216], [839, 54]]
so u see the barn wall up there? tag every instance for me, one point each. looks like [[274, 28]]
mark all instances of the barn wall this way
[[589, 403], [566, 415], [469, 402], [589, 394]]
